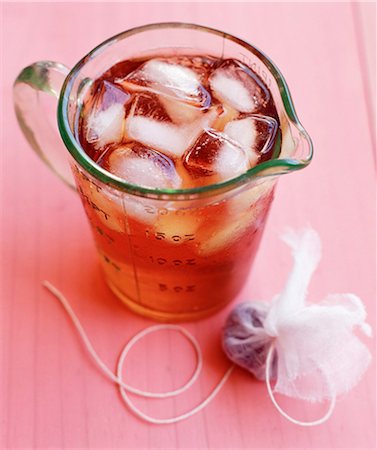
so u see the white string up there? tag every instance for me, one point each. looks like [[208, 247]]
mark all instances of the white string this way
[[278, 407], [124, 388]]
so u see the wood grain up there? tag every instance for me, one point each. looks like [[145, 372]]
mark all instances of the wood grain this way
[[51, 394]]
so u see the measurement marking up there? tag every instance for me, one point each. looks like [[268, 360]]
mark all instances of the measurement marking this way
[[164, 287], [176, 262], [160, 235]]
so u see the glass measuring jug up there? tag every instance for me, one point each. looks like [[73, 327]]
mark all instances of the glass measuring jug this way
[[171, 254]]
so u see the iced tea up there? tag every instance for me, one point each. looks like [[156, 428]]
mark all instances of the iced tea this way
[[172, 122]]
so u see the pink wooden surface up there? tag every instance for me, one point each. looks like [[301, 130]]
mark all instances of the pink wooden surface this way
[[51, 394]]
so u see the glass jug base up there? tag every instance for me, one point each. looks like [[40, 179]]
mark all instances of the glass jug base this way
[[163, 316]]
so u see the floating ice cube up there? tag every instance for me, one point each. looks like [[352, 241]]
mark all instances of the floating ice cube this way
[[214, 154], [105, 127], [255, 134], [113, 208], [245, 213], [141, 209], [200, 64], [242, 131], [231, 91], [143, 166], [107, 94], [104, 121], [245, 200], [162, 135], [174, 80], [165, 109], [231, 161], [236, 85], [172, 76], [226, 235], [149, 105]]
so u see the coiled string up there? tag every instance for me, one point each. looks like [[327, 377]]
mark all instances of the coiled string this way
[[126, 388]]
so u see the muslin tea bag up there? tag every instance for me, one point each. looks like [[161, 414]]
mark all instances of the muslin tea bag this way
[[310, 350]]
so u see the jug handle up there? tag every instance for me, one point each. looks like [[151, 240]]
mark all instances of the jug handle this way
[[48, 77]]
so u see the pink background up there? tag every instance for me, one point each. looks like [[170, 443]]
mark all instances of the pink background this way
[[51, 394]]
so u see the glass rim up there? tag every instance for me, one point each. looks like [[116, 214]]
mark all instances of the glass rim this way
[[79, 155]]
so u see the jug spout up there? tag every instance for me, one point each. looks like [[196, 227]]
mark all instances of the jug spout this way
[[294, 149], [296, 144]]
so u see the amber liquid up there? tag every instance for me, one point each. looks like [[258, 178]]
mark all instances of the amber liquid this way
[[173, 260]]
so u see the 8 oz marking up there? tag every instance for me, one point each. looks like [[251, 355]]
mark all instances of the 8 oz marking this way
[[164, 287]]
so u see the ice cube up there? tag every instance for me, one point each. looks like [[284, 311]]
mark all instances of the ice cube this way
[[240, 221], [105, 114], [162, 77], [255, 134], [113, 208], [243, 201], [162, 135], [106, 94], [140, 165], [226, 235], [142, 209], [236, 85], [105, 127], [214, 154], [201, 64], [244, 132], [231, 161], [165, 109], [149, 105]]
